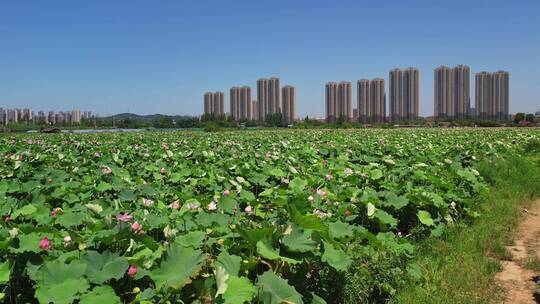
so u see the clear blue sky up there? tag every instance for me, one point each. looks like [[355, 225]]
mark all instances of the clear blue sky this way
[[147, 57]]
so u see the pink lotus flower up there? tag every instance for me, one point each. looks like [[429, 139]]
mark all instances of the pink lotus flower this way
[[321, 192], [175, 205], [45, 244], [124, 217], [248, 209], [212, 206], [132, 271], [162, 171], [136, 227], [226, 192], [106, 170], [329, 177], [55, 211], [67, 240], [147, 202]]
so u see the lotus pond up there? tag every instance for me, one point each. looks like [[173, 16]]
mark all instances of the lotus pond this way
[[234, 217]]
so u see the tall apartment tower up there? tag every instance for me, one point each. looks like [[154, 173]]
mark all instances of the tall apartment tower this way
[[371, 100], [208, 103], [255, 110], [404, 94], [245, 103], [262, 97], [268, 96], [345, 101], [214, 103], [462, 93], [331, 99], [289, 104], [363, 100], [234, 95], [274, 92], [452, 92], [493, 95]]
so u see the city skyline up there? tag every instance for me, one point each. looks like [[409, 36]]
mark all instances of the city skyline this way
[[131, 56]]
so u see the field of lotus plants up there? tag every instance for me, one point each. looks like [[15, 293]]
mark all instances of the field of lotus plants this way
[[232, 217]]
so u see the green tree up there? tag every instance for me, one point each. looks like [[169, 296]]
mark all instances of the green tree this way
[[519, 117]]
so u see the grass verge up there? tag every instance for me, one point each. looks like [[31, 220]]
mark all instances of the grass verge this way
[[460, 267]]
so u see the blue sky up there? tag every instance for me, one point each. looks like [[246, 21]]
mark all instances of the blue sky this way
[[148, 57]]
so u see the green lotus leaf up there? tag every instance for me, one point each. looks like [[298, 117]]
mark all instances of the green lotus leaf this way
[[180, 265], [276, 290]]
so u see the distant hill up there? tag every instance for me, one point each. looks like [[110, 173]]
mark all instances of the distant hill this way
[[151, 117]]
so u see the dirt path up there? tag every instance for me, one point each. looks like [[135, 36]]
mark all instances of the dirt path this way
[[517, 281]]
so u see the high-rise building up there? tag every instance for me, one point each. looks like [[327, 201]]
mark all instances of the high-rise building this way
[[274, 93], [344, 101], [262, 97], [219, 104], [208, 103], [371, 100], [493, 95], [255, 110], [245, 103], [268, 96], [214, 104], [331, 102], [289, 104], [42, 118], [2, 117], [52, 117], [12, 116], [404, 94], [452, 92], [235, 102], [363, 100]]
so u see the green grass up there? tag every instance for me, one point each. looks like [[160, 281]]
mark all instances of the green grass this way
[[460, 267]]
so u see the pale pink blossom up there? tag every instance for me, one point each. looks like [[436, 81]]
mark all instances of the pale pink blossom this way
[[248, 209], [55, 211], [106, 170], [212, 206], [132, 271], [348, 172], [136, 227], [329, 177], [147, 202], [175, 205], [321, 192], [162, 171], [97, 154], [310, 198], [226, 192], [67, 240], [192, 206], [320, 213], [124, 217], [45, 244]]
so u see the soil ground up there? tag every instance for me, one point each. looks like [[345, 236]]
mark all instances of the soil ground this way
[[519, 274]]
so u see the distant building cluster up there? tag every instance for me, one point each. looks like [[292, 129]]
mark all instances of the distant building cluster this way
[[214, 103], [27, 116], [451, 96], [492, 95], [271, 100], [339, 101]]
